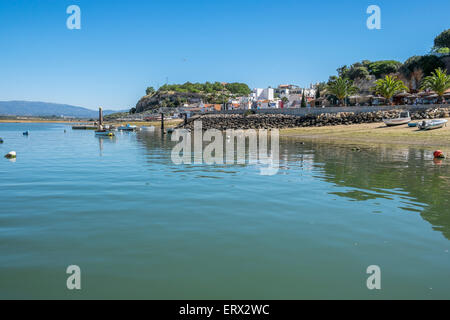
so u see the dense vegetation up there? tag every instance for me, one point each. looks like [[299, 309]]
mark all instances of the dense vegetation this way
[[442, 42], [365, 75], [439, 82], [239, 89], [176, 95]]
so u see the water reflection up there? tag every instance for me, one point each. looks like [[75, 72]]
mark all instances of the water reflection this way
[[102, 140], [382, 172], [367, 174]]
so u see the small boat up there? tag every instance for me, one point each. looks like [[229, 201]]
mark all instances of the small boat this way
[[148, 129], [1, 140], [127, 128], [84, 127], [404, 118], [432, 124], [104, 133], [26, 133], [11, 155]]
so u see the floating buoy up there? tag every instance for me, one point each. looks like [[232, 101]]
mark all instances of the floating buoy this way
[[11, 155], [438, 154]]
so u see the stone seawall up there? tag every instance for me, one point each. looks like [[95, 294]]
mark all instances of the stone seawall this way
[[280, 121]]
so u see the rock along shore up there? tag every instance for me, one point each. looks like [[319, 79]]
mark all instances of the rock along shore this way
[[280, 121]]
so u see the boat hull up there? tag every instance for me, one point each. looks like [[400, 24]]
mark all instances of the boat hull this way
[[432, 125], [104, 133], [397, 122]]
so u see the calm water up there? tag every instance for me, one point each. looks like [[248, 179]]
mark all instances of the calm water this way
[[141, 227]]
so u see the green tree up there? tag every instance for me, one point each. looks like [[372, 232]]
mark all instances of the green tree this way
[[150, 91], [438, 81], [427, 64], [383, 67], [442, 40], [318, 92], [389, 86], [358, 72], [240, 89], [341, 88], [303, 103]]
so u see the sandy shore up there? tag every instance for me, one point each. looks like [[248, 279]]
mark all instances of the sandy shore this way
[[373, 133]]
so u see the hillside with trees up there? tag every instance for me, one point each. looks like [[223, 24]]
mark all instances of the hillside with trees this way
[[176, 95], [367, 75]]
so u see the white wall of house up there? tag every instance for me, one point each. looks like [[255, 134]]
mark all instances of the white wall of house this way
[[264, 94]]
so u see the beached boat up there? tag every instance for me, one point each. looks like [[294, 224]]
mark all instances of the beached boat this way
[[432, 124], [404, 118], [127, 128]]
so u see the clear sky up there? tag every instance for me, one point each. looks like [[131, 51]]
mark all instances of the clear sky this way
[[125, 46]]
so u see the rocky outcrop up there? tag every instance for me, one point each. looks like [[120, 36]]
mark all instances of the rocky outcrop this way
[[280, 121], [164, 100]]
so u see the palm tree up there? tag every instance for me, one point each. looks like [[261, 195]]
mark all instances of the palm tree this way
[[389, 86], [439, 82], [341, 88]]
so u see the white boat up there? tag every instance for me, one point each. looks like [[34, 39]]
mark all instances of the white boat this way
[[404, 118], [148, 129], [127, 128], [432, 124]]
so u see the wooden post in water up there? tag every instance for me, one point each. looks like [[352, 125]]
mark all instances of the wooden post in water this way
[[162, 122], [100, 118]]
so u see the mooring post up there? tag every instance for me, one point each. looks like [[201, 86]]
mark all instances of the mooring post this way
[[162, 122]]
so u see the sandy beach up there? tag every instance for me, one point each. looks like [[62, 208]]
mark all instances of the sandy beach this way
[[374, 133]]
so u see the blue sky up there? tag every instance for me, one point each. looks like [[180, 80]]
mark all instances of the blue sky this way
[[125, 46]]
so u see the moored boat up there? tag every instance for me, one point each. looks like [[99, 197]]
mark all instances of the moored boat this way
[[148, 129], [404, 118], [432, 124], [127, 128], [102, 131]]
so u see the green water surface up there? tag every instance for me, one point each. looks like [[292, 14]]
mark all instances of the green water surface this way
[[140, 226]]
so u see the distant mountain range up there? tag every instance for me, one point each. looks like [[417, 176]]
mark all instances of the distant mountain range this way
[[36, 109]]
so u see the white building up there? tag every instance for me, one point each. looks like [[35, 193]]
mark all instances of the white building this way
[[263, 94]]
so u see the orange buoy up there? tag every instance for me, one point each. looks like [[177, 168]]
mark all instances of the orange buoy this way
[[438, 154]]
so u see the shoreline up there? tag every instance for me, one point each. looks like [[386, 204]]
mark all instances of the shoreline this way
[[373, 134], [354, 134]]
